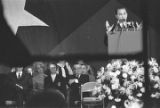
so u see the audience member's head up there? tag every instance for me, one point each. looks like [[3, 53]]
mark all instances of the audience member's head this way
[[39, 67], [77, 69], [61, 63], [52, 68], [29, 70], [19, 69], [84, 69], [50, 98]]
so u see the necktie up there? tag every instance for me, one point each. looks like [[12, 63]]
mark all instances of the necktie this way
[[70, 72], [63, 72]]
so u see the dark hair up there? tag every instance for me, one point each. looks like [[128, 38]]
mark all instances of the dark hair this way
[[50, 98], [51, 63], [116, 10]]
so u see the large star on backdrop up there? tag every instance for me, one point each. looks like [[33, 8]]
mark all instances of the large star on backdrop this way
[[16, 15]]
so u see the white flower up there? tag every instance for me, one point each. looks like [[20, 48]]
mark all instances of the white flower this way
[[140, 84], [155, 69], [114, 86], [133, 63], [153, 62], [118, 72], [125, 68], [113, 74], [76, 80], [117, 63], [130, 97], [99, 74], [109, 66], [107, 89], [139, 94], [115, 81], [153, 95], [123, 90], [110, 97], [128, 91], [124, 75], [140, 71], [156, 78], [133, 77], [113, 106], [103, 78], [141, 78], [117, 99], [130, 72], [142, 89], [156, 86]]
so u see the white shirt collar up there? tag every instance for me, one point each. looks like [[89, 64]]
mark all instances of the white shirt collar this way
[[53, 76]]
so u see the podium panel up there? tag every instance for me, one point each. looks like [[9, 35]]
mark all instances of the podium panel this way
[[125, 42]]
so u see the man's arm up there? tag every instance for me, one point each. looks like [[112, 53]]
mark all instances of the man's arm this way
[[108, 27]]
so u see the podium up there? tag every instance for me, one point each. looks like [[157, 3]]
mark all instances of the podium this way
[[125, 42]]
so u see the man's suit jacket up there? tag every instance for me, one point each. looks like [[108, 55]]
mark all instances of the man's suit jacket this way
[[58, 83], [22, 87], [75, 87], [25, 81], [65, 80]]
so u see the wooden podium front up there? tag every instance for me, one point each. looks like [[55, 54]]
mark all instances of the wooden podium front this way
[[125, 42]]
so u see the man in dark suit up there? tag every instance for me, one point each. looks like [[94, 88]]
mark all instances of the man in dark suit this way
[[66, 72], [23, 85], [54, 79], [75, 82]]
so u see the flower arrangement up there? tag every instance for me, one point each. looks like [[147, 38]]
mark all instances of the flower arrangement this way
[[154, 76], [121, 80]]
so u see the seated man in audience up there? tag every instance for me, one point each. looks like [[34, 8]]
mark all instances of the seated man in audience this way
[[64, 69], [22, 83], [75, 82], [54, 79]]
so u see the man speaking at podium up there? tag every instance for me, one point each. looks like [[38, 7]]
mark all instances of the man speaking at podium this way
[[124, 37]]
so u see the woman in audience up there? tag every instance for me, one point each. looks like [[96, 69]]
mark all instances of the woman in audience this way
[[38, 76]]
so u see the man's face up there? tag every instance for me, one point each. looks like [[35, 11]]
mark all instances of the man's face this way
[[77, 69], [121, 15], [52, 68], [19, 69], [84, 69], [30, 70]]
